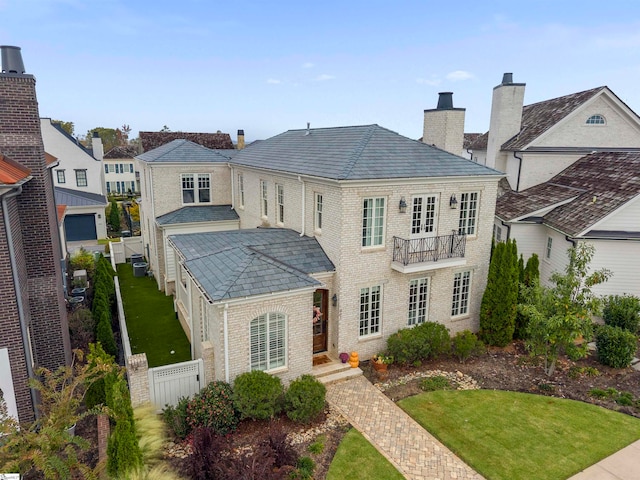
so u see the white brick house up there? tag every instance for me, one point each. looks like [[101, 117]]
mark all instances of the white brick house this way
[[403, 228]]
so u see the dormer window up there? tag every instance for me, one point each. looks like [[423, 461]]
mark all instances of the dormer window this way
[[596, 120]]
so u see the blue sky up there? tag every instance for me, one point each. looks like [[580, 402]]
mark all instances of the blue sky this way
[[270, 66]]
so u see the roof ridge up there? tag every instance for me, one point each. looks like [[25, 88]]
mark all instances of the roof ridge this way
[[276, 261], [355, 154], [594, 90]]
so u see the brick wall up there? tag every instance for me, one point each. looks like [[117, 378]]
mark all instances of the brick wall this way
[[444, 129]]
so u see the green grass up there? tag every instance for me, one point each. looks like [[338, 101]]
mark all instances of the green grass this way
[[151, 322], [357, 459], [509, 435]]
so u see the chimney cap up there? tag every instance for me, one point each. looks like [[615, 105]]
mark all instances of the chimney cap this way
[[507, 79], [445, 101], [240, 132], [11, 59], [95, 134]]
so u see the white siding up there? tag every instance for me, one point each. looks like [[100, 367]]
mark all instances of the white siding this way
[[559, 258], [622, 257], [530, 238], [626, 218]]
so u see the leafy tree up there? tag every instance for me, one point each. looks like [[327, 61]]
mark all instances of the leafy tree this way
[[560, 315], [68, 127], [500, 299], [165, 129], [110, 137]]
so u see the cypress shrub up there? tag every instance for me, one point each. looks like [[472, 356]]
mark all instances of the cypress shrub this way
[[530, 278], [114, 216], [257, 395], [616, 346], [104, 334], [123, 451], [622, 311], [304, 399]]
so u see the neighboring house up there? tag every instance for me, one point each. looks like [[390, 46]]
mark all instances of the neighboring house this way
[[79, 170], [120, 176], [380, 231], [33, 317], [533, 143], [595, 200], [185, 188], [213, 141]]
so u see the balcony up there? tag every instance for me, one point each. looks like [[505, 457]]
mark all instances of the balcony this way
[[429, 253]]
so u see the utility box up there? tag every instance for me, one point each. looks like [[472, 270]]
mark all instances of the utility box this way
[[79, 278]]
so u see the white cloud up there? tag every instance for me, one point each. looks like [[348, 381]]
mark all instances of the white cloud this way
[[308, 65], [273, 81], [459, 75], [432, 82], [324, 77]]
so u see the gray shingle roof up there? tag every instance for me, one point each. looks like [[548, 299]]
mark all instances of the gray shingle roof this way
[[198, 214], [612, 178], [75, 198], [241, 263], [355, 153], [183, 151]]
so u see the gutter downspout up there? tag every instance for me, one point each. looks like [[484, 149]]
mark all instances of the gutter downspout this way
[[303, 204], [508, 225], [14, 271], [519, 170], [573, 241], [226, 342]]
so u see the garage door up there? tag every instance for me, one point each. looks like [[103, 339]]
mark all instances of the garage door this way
[[80, 227]]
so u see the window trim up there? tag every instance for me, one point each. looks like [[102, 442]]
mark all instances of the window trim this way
[[460, 295], [254, 364], [366, 321], [279, 204], [81, 172], [264, 199], [466, 222], [549, 248], [596, 120], [60, 174], [318, 211], [418, 303], [241, 189], [196, 189], [374, 222]]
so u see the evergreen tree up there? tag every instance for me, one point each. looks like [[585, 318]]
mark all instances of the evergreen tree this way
[[499, 302], [530, 279], [123, 451], [114, 216]]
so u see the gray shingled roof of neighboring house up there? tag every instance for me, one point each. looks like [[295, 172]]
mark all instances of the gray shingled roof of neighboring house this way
[[152, 140], [241, 263], [198, 214], [125, 151], [183, 151], [539, 117], [75, 198], [356, 153], [612, 178]]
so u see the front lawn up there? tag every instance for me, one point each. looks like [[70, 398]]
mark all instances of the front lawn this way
[[151, 322], [357, 459], [508, 435]]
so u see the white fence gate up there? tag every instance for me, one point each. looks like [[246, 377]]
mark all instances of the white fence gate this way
[[170, 382]]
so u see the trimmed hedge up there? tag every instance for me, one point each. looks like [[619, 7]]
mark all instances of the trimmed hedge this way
[[616, 346], [422, 342], [304, 400], [622, 311], [258, 395]]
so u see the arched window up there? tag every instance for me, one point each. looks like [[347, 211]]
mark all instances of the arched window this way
[[596, 120], [268, 341]]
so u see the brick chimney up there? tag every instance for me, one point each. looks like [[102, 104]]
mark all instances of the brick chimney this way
[[240, 144], [444, 125], [35, 226], [506, 119]]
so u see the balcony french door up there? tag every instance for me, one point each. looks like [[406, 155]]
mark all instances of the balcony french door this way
[[424, 216]]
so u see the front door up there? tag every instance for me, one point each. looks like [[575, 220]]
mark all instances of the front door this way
[[424, 216], [320, 304]]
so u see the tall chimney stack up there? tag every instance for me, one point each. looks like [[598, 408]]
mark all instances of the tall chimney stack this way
[[240, 144], [506, 119], [11, 59], [444, 125]]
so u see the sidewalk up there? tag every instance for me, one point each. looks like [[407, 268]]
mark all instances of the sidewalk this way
[[408, 446], [622, 465]]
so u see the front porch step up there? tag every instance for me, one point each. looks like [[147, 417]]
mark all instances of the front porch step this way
[[335, 372]]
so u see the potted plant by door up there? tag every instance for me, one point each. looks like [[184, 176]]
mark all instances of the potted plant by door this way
[[380, 362]]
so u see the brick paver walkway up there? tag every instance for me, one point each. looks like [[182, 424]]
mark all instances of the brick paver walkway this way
[[408, 446]]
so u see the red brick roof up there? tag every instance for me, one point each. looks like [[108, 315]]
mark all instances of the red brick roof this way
[[151, 140], [12, 172]]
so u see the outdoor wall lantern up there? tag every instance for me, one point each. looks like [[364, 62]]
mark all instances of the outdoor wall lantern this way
[[453, 203], [334, 300], [403, 205]]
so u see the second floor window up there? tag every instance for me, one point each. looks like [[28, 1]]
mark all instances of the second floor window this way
[[60, 174], [196, 188], [468, 213], [280, 202], [318, 216], [373, 222], [81, 178], [264, 202], [241, 189], [549, 247]]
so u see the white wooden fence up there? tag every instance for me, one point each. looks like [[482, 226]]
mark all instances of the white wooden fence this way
[[126, 247], [167, 384]]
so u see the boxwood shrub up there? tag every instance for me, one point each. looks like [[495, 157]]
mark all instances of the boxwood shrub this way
[[258, 395], [304, 400], [423, 342], [616, 346], [466, 344]]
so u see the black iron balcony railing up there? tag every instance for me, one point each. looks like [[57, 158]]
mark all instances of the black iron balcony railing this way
[[428, 249]]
